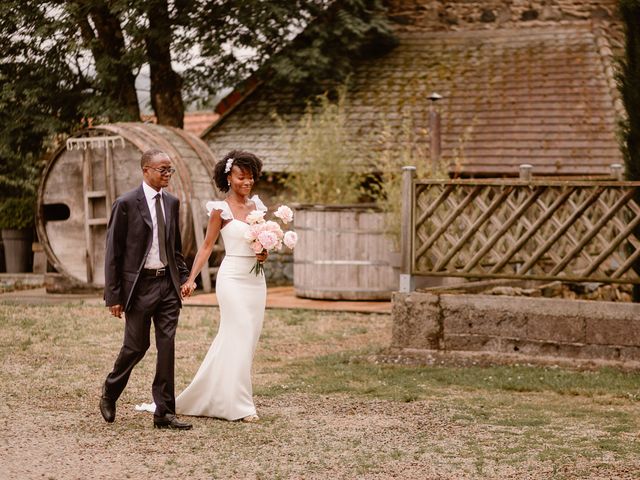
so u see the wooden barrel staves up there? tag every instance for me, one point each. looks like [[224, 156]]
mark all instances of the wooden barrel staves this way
[[97, 165], [343, 253]]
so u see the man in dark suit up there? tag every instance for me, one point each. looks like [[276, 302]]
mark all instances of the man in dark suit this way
[[144, 269]]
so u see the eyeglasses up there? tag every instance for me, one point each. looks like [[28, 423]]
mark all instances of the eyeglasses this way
[[164, 170]]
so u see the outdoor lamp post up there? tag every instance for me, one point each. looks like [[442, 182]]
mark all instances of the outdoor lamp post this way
[[434, 129]]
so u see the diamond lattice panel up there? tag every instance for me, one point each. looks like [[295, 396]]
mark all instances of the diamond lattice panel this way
[[577, 231]]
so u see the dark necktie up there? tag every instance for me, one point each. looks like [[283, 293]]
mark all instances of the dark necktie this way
[[161, 238]]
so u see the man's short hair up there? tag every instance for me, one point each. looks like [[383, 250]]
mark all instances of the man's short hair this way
[[149, 155]]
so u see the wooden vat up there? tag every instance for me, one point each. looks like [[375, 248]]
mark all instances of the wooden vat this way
[[97, 165], [343, 253]]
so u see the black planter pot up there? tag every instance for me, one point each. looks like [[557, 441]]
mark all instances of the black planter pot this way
[[17, 249]]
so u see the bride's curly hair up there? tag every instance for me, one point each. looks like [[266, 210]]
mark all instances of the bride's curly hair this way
[[246, 161]]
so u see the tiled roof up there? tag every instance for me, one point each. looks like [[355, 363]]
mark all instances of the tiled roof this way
[[194, 122], [543, 96], [198, 122]]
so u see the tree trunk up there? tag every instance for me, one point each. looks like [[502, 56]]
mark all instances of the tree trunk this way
[[108, 48], [166, 84]]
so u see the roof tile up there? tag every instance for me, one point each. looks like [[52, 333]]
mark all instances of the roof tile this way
[[535, 95]]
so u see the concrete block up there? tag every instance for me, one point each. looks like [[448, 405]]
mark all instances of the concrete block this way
[[481, 315], [613, 331], [468, 342], [416, 321], [530, 348], [630, 353], [39, 258], [604, 352], [556, 328], [58, 283], [528, 327]]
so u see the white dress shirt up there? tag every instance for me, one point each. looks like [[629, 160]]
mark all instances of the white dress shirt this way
[[153, 258]]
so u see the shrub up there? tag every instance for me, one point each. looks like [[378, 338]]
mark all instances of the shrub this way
[[321, 154], [629, 85], [17, 213], [409, 147]]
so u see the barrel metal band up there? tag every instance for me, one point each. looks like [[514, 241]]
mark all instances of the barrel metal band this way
[[341, 262], [343, 230], [302, 288]]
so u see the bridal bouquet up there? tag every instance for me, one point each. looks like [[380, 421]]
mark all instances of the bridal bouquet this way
[[268, 234]]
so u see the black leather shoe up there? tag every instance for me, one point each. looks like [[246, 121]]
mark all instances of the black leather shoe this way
[[170, 421], [108, 409]]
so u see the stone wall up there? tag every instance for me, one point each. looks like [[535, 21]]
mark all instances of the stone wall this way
[[525, 327], [464, 14], [278, 270], [443, 15]]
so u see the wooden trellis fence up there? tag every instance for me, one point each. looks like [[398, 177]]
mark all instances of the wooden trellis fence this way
[[579, 231]]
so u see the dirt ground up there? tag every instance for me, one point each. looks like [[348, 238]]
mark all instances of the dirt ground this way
[[321, 416]]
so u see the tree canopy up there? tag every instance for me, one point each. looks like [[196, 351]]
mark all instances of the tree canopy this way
[[67, 61], [629, 84]]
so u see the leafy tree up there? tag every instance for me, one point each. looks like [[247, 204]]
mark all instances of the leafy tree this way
[[39, 96], [66, 61], [629, 84], [105, 43]]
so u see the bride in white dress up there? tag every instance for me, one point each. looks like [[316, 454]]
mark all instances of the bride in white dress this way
[[221, 387]]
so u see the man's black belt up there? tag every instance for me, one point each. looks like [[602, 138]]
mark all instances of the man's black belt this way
[[153, 272]]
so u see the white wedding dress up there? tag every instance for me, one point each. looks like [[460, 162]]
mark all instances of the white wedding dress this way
[[221, 387]]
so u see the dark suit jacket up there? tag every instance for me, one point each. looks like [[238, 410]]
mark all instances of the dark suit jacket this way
[[128, 243]]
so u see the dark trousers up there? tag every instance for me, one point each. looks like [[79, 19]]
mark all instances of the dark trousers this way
[[155, 299]]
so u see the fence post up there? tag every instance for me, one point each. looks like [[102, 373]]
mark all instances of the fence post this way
[[617, 171], [407, 283], [525, 172]]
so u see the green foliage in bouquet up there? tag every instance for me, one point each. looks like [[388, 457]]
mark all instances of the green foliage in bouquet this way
[[17, 213]]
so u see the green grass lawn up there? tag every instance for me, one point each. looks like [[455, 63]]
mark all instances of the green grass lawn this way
[[328, 408]]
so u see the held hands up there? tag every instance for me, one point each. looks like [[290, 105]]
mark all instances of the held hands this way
[[116, 310], [187, 289], [262, 256]]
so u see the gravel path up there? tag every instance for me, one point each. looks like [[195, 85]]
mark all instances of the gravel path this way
[[54, 359]]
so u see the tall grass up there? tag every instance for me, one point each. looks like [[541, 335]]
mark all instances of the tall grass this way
[[396, 149], [321, 152]]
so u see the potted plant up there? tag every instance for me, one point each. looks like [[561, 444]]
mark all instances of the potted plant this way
[[17, 216], [343, 248]]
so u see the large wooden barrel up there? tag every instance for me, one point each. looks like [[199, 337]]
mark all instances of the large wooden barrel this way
[[97, 165], [343, 253]]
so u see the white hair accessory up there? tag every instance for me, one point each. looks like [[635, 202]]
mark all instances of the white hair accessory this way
[[227, 167]]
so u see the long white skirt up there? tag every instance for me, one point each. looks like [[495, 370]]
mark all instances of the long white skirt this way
[[222, 386]]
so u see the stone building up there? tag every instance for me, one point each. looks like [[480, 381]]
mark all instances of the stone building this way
[[523, 82]]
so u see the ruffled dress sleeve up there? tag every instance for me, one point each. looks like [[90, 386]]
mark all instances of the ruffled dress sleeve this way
[[259, 205], [225, 211]]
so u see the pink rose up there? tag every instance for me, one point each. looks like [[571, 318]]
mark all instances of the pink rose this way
[[268, 240], [256, 247], [284, 213], [290, 239], [256, 216], [253, 231], [272, 226]]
